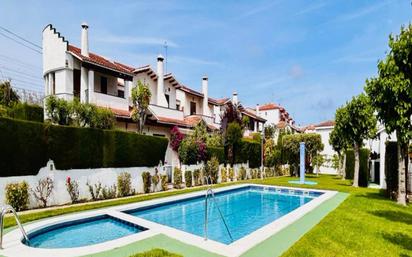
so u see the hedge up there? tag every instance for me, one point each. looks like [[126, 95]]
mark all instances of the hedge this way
[[391, 169], [248, 151], [363, 166], [218, 152], [27, 146], [25, 111]]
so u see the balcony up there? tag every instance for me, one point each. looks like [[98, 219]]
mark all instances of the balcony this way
[[111, 101], [165, 112]]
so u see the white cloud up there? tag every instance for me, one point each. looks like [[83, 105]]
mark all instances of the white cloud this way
[[191, 60]]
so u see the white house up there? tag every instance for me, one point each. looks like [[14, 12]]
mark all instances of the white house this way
[[71, 71]]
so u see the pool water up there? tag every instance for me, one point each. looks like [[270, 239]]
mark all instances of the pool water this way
[[245, 210], [82, 232]]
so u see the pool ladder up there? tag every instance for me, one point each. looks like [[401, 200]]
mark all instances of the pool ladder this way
[[211, 193], [4, 210]]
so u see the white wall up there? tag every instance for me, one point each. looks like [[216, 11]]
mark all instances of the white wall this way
[[271, 116], [107, 176], [328, 151]]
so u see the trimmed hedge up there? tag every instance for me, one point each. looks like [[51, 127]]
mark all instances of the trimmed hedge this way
[[391, 169], [218, 152], [248, 151], [363, 166], [350, 164], [26, 147], [25, 111]]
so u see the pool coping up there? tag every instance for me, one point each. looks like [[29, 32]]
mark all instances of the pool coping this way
[[14, 247]]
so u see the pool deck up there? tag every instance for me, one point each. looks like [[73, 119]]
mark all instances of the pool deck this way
[[269, 245]]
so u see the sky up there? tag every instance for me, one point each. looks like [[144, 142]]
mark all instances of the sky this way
[[308, 56]]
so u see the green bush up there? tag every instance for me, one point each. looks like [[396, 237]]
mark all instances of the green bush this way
[[364, 167], [177, 178], [188, 178], [27, 146], [218, 152], [248, 151], [231, 174], [124, 184], [242, 174], [350, 164], [223, 175], [164, 179], [25, 111], [109, 192], [391, 169], [17, 195], [197, 177], [212, 169], [147, 182], [72, 187]]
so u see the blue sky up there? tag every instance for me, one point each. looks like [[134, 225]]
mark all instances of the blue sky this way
[[309, 56]]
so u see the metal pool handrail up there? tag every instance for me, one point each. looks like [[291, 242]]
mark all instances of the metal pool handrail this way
[[4, 210], [210, 192]]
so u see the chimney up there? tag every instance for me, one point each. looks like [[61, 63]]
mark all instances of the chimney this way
[[257, 109], [205, 89], [161, 99], [235, 101], [85, 40]]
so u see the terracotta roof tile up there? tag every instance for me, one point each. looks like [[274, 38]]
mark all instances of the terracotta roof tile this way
[[269, 106]]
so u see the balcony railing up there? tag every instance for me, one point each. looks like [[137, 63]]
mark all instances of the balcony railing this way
[[111, 101], [166, 112]]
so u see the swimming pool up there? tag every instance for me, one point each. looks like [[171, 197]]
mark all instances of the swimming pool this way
[[244, 211], [253, 213], [82, 232]]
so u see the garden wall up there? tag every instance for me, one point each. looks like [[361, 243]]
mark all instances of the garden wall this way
[[107, 176]]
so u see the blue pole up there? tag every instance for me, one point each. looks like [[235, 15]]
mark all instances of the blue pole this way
[[302, 162]]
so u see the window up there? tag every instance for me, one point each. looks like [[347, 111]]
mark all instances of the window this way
[[167, 99], [120, 93], [192, 108], [177, 106], [53, 84], [76, 83], [103, 85], [251, 124]]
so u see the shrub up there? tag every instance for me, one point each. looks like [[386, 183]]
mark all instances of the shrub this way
[[176, 137], [156, 179], [124, 184], [25, 111], [218, 152], [71, 147], [363, 167], [212, 169], [254, 173], [223, 175], [43, 190], [197, 177], [95, 190], [188, 178], [350, 164], [177, 178], [17, 195], [164, 179], [192, 151], [156, 253], [269, 172], [248, 151], [147, 183], [72, 188], [231, 174], [109, 192], [242, 173], [391, 169]]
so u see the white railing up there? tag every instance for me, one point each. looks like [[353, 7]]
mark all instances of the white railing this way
[[161, 111], [110, 101]]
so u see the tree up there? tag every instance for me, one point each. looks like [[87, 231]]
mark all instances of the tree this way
[[59, 111], [8, 96], [390, 94], [339, 145], [270, 131], [141, 99], [231, 114], [291, 147], [318, 160], [233, 137], [355, 123]]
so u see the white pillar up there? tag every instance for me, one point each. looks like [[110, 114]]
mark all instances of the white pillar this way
[[161, 98], [126, 91], [51, 84], [84, 81], [206, 110], [46, 85], [91, 86], [382, 152]]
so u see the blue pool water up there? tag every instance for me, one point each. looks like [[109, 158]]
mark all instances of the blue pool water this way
[[245, 210], [82, 232]]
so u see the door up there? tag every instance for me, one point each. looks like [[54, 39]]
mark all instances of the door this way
[[192, 108], [76, 83]]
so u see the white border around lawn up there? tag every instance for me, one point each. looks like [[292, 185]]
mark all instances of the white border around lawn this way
[[13, 246]]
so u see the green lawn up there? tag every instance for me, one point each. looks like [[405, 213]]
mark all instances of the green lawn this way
[[365, 224]]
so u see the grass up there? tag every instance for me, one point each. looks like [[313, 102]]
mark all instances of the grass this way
[[365, 224], [156, 253]]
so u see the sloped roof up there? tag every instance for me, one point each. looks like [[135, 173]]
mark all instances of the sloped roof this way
[[269, 106], [100, 60]]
